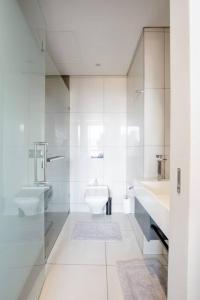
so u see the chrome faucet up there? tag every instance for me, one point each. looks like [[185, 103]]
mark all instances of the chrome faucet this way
[[160, 166]]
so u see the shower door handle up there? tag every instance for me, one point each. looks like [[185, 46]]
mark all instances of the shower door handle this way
[[44, 161]]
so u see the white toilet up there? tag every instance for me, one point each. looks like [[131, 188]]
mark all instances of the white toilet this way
[[96, 196], [31, 200]]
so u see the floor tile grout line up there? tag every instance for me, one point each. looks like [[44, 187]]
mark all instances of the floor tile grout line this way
[[68, 264], [132, 226], [106, 263]]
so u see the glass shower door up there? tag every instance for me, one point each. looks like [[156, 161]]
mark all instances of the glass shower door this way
[[22, 99], [57, 135]]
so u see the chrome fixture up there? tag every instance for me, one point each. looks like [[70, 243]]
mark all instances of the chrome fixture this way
[[130, 187], [32, 153], [138, 92], [50, 159], [42, 155], [160, 166], [97, 154], [179, 180], [43, 165]]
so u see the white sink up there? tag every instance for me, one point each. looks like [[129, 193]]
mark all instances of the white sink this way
[[157, 187], [155, 198], [160, 189]]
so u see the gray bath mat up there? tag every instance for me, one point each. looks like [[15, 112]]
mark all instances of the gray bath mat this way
[[96, 231], [143, 279]]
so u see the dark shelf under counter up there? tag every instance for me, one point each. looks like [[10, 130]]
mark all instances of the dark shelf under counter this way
[[148, 226]]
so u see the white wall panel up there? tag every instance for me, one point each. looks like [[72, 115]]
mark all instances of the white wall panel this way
[[154, 59], [86, 94], [98, 123]]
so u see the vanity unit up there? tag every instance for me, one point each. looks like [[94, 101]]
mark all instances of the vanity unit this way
[[152, 215], [148, 138]]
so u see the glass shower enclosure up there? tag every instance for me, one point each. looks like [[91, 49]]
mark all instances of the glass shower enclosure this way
[[34, 190], [22, 112]]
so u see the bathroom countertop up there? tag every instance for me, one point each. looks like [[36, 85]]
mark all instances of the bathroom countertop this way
[[155, 198]]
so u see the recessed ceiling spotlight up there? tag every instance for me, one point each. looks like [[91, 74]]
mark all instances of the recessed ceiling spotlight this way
[[98, 65]]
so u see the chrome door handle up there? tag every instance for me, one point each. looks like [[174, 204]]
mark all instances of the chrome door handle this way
[[179, 180], [58, 157]]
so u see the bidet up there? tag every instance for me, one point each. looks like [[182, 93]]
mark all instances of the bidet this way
[[96, 197]]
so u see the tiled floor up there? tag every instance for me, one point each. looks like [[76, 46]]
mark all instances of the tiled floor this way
[[86, 270]]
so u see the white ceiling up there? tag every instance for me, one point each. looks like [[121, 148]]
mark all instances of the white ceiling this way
[[83, 33]]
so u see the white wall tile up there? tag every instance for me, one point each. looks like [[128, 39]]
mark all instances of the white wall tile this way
[[57, 131], [58, 170], [86, 129], [136, 72], [37, 92], [167, 162], [167, 117], [167, 104], [98, 123], [135, 116], [167, 60], [135, 121], [115, 129], [83, 167], [114, 164], [135, 161], [154, 59], [135, 130], [117, 191], [77, 190], [150, 161], [36, 132], [57, 95], [130, 92], [115, 94], [154, 117], [86, 94]]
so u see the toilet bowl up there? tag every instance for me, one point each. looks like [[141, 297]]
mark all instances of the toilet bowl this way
[[30, 200], [96, 197]]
